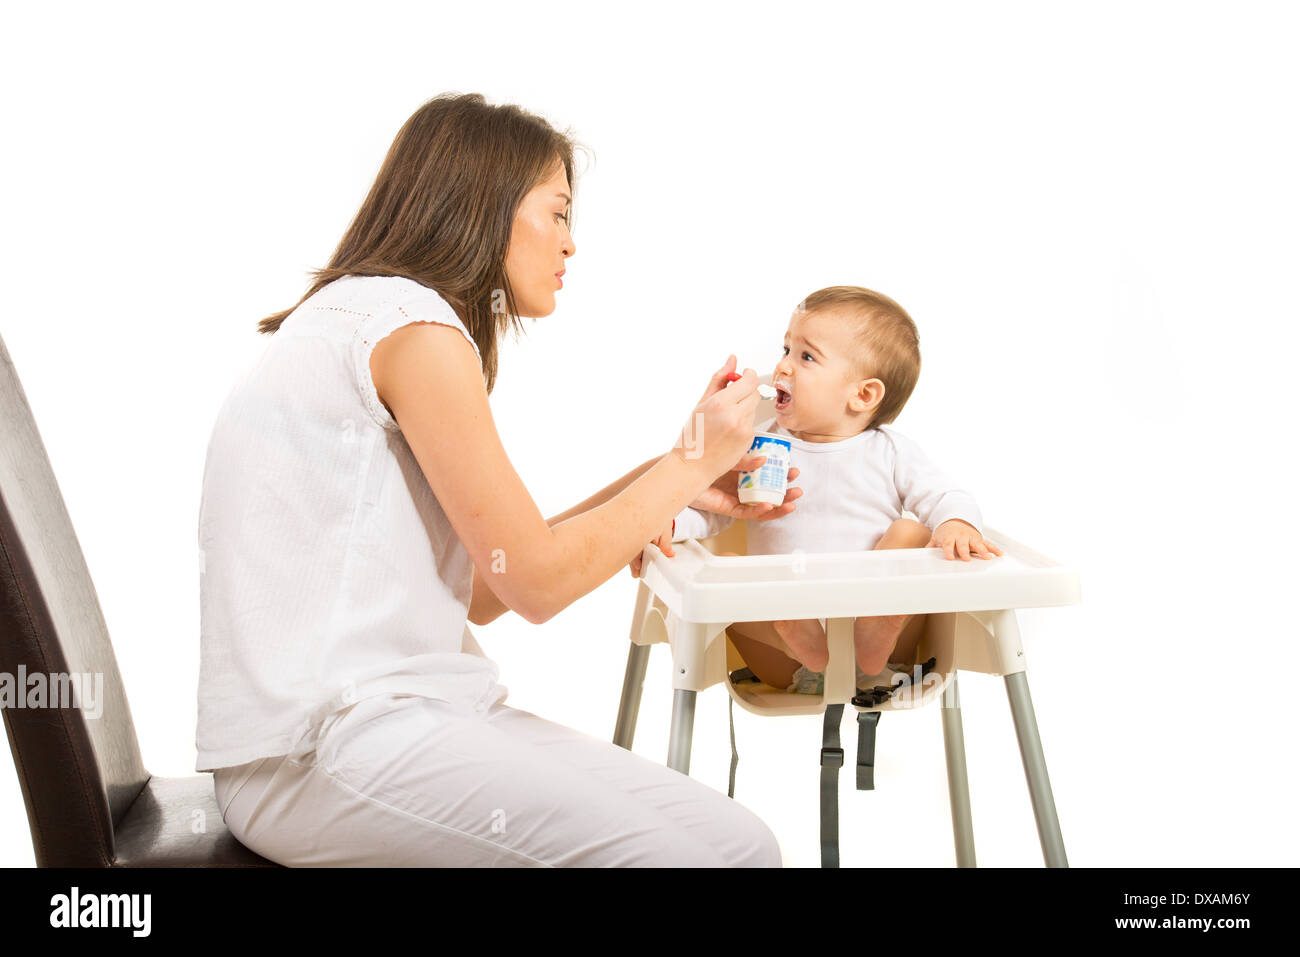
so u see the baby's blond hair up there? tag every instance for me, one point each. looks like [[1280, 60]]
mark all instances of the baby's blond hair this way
[[887, 340]]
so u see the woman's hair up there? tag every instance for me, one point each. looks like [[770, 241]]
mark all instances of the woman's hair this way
[[889, 347], [441, 209]]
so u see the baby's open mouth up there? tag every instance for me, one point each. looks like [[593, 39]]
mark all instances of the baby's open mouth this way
[[782, 400]]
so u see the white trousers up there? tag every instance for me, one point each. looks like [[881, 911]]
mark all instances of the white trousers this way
[[406, 781]]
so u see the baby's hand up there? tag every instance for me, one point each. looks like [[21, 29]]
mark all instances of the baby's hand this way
[[665, 543], [958, 538]]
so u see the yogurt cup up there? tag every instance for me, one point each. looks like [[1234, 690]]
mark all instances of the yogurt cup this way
[[767, 482]]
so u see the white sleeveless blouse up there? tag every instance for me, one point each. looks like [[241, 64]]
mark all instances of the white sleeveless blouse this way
[[328, 570]]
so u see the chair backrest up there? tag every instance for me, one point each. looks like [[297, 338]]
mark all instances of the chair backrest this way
[[78, 759]]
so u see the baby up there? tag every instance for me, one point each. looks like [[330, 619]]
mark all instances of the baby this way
[[848, 365]]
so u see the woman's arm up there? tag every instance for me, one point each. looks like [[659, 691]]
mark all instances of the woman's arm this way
[[605, 494], [485, 606], [428, 375]]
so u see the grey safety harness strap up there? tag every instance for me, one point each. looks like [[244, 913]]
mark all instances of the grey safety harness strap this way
[[736, 677], [831, 758], [831, 755], [735, 758]]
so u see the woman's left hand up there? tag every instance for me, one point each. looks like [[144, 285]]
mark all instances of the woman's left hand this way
[[721, 496]]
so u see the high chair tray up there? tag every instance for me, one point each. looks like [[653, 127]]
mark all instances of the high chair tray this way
[[699, 586]]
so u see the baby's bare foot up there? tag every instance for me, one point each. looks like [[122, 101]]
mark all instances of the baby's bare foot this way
[[874, 639], [807, 642]]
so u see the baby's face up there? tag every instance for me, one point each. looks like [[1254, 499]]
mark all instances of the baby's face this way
[[816, 378]]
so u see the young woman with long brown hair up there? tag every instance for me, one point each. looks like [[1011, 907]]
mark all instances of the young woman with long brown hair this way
[[359, 509]]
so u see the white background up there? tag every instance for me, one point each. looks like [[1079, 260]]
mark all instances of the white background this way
[[1090, 210]]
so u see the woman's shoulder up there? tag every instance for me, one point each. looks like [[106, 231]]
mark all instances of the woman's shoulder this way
[[381, 292], [376, 305]]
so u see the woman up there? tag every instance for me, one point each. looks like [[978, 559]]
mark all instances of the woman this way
[[358, 508]]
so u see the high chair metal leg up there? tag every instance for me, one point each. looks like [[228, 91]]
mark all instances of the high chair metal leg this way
[[954, 747], [629, 703], [638, 656], [679, 738], [1031, 753]]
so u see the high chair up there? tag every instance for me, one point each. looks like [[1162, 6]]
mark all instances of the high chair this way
[[688, 601]]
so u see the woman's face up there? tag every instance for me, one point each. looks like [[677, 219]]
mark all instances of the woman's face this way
[[539, 244]]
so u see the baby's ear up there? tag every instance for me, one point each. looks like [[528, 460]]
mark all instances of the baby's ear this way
[[871, 392]]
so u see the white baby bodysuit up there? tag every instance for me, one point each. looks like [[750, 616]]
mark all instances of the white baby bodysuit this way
[[853, 490]]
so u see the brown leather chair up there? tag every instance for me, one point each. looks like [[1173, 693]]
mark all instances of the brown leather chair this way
[[90, 801]]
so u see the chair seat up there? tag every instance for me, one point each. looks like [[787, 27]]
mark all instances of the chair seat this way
[[161, 829], [938, 640]]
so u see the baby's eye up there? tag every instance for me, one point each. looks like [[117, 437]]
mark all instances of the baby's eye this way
[[785, 349]]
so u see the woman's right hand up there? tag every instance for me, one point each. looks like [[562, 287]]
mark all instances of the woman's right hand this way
[[665, 545], [721, 428]]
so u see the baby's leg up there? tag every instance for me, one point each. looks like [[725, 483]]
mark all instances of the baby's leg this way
[[765, 651], [904, 533], [770, 665], [875, 639], [806, 639], [905, 650]]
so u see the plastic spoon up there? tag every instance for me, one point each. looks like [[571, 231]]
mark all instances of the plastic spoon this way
[[765, 390]]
